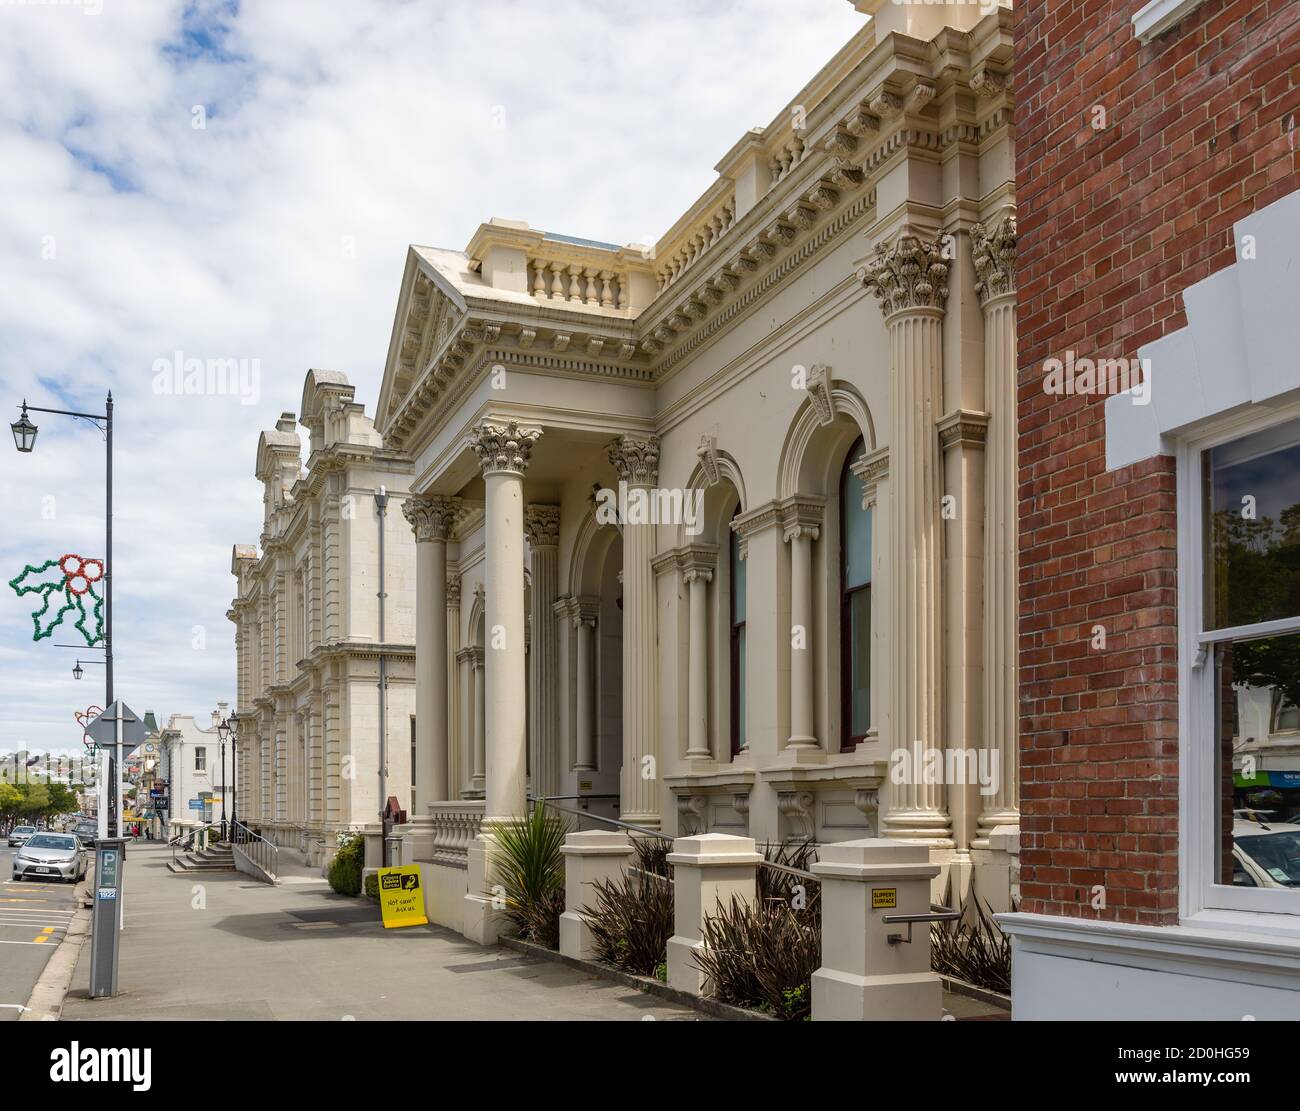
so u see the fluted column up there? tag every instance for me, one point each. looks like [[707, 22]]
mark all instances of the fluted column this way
[[584, 617], [697, 567], [503, 452], [910, 281], [995, 264], [432, 519], [542, 527], [455, 769], [636, 458]]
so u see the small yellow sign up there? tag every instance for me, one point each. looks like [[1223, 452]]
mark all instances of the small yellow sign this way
[[884, 898], [401, 897]]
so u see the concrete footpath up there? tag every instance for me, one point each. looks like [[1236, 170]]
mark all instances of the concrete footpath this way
[[221, 946]]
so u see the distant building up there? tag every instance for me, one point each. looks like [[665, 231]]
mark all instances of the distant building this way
[[189, 767], [308, 632]]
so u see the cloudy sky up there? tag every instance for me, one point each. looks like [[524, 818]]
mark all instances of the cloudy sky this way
[[240, 180]]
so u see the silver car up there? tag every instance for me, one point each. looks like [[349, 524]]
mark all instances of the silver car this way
[[19, 834], [51, 856]]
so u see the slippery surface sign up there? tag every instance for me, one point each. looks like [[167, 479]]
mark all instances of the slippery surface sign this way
[[401, 897]]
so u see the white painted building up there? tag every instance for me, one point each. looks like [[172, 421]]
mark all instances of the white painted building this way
[[819, 358], [189, 762]]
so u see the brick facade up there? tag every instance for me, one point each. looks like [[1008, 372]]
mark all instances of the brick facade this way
[[1117, 216]]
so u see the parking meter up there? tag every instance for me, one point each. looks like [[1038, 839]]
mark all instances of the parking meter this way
[[106, 920]]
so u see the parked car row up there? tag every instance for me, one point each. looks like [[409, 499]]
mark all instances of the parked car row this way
[[50, 856]]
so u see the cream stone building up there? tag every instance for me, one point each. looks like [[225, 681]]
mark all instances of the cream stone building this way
[[721, 533], [324, 619]]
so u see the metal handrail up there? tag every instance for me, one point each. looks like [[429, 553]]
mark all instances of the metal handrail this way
[[256, 848], [788, 870], [600, 818], [935, 914]]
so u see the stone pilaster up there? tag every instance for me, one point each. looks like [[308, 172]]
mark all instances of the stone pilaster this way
[[636, 458], [910, 280], [542, 527], [995, 266], [455, 764], [873, 470], [433, 520]]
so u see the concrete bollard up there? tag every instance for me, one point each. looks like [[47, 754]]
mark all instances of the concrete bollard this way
[[589, 858], [708, 871], [863, 977]]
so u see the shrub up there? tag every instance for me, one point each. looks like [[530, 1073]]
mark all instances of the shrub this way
[[762, 956], [345, 869], [976, 951], [530, 869], [777, 886], [632, 921], [372, 886]]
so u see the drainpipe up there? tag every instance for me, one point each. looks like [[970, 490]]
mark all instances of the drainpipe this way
[[381, 503]]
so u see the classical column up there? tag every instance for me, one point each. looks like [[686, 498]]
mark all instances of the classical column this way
[[584, 613], [432, 519], [542, 527], [910, 279], [995, 264], [455, 766], [636, 458], [802, 527], [503, 451], [697, 572]]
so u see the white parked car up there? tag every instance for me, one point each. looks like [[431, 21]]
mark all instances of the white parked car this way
[[19, 834], [50, 856], [1265, 853]]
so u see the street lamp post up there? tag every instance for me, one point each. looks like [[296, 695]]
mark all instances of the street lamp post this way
[[228, 731], [25, 440]]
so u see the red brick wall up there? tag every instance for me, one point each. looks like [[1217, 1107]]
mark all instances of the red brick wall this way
[[1201, 129]]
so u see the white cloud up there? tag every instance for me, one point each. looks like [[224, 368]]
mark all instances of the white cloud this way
[[364, 118]]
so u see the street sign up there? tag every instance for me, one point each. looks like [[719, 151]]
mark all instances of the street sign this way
[[195, 804], [401, 897], [103, 730]]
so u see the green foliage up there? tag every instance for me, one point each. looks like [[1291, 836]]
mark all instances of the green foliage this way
[[973, 949], [346, 867], [632, 921], [762, 956], [530, 869], [34, 802], [372, 886]]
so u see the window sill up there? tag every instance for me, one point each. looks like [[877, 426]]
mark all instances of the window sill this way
[[1159, 16]]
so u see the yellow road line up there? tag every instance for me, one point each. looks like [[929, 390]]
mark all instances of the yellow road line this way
[[40, 940], [48, 930]]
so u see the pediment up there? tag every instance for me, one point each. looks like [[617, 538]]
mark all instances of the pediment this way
[[428, 308]]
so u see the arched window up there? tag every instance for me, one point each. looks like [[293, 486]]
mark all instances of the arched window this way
[[737, 621], [855, 606]]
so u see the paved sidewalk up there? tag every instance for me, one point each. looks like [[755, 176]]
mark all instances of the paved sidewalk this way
[[221, 946]]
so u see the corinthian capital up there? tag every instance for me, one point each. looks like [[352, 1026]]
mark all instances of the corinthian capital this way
[[636, 458], [995, 258], [912, 274], [542, 525], [432, 518], [503, 448]]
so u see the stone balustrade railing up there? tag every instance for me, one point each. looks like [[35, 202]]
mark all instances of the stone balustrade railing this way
[[455, 825], [681, 254], [576, 284]]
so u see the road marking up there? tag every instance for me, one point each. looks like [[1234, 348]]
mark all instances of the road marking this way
[[19, 942], [40, 941]]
